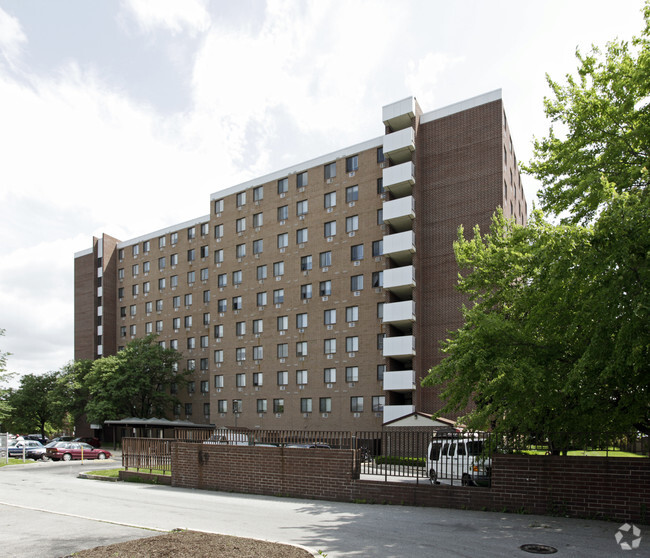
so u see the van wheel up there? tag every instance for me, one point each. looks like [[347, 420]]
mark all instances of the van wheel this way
[[465, 480], [433, 477]]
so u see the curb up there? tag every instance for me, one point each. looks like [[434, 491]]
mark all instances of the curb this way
[[96, 477]]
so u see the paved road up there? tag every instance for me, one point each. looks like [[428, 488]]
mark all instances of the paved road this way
[[46, 511]]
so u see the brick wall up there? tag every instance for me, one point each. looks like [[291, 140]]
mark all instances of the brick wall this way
[[615, 488]]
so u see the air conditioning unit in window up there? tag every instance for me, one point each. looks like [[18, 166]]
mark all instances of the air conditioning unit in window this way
[[278, 415], [356, 415], [351, 174], [324, 415], [330, 180]]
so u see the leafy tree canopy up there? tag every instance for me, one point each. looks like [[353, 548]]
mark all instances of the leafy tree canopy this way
[[32, 404], [556, 341], [133, 383]]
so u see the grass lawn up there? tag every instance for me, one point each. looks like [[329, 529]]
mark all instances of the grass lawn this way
[[14, 461], [115, 473]]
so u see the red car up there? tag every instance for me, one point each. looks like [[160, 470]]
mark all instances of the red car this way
[[75, 450]]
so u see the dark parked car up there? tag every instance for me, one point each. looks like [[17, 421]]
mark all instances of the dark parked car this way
[[62, 439], [94, 442], [75, 450], [42, 439], [33, 449]]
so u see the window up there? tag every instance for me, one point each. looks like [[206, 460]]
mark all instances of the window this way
[[330, 346], [261, 299], [218, 231], [302, 208], [191, 277], [218, 331], [330, 171], [148, 307], [135, 269], [240, 224], [173, 238], [176, 323], [159, 305], [222, 305], [241, 199], [159, 326], [146, 287], [283, 186], [261, 405], [258, 378], [240, 328], [380, 185], [356, 252], [258, 246], [356, 404], [188, 321], [330, 317], [135, 289], [191, 344], [237, 277], [351, 374], [173, 259], [325, 259], [305, 404], [122, 331], [205, 228], [282, 323], [218, 256], [305, 292], [330, 200], [148, 328], [352, 164], [218, 356], [203, 251], [278, 269], [218, 206], [258, 193], [135, 249], [261, 272], [132, 309], [258, 326], [283, 350], [283, 240], [329, 375], [206, 410], [356, 283], [301, 349], [380, 154], [352, 223], [330, 229], [237, 302], [240, 379], [301, 180], [325, 404], [283, 378], [176, 302], [162, 241], [283, 213], [188, 409], [188, 299], [222, 406], [146, 267], [381, 370], [173, 344], [240, 354], [377, 278], [352, 314], [302, 236], [120, 273], [301, 377], [218, 381], [305, 263], [278, 296], [206, 318], [240, 250], [191, 255], [302, 321], [380, 216], [191, 233], [380, 310], [378, 248], [205, 274], [120, 291], [325, 288], [222, 280], [237, 406], [380, 341], [352, 194], [351, 344], [278, 406]]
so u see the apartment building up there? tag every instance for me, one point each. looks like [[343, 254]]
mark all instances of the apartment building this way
[[314, 297]]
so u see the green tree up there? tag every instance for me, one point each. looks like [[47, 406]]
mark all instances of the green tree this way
[[32, 404], [70, 394], [134, 383], [5, 407], [556, 340]]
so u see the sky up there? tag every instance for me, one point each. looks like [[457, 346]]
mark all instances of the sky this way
[[123, 116]]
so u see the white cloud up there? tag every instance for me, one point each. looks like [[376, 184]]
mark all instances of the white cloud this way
[[423, 76], [12, 38], [190, 16]]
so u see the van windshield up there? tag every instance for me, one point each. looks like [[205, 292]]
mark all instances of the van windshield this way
[[475, 447]]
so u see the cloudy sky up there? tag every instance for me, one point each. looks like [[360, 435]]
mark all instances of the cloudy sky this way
[[104, 104]]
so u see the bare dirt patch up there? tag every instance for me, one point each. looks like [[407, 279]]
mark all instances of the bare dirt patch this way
[[195, 544]]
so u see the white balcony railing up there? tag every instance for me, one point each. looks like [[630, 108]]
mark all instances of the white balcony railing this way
[[399, 213], [400, 247], [399, 179], [401, 347], [400, 280], [399, 380], [398, 115], [400, 314], [398, 146]]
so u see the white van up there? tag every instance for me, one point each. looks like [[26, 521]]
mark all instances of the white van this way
[[458, 457]]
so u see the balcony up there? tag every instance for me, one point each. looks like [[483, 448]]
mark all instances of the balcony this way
[[398, 115], [400, 247], [399, 213], [399, 179], [400, 348], [399, 146], [400, 380], [400, 280], [400, 314], [394, 412]]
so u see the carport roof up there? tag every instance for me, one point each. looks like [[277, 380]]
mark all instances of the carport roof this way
[[156, 423]]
